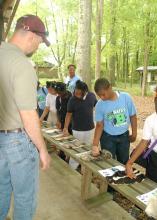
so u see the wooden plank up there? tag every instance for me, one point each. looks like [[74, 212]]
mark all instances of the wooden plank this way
[[86, 183], [1, 24]]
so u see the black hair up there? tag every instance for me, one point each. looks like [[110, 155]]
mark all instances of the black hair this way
[[101, 83], [72, 66], [81, 86], [50, 84], [60, 87]]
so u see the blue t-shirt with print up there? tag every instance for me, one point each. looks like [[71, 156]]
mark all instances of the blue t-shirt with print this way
[[115, 114]]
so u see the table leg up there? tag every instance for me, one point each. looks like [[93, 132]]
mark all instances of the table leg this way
[[86, 183]]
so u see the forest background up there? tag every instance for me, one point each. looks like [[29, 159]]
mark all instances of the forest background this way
[[104, 38]]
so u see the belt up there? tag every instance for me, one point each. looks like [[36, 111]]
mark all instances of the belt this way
[[17, 130]]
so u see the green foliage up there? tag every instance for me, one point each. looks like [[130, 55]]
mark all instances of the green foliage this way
[[128, 18]]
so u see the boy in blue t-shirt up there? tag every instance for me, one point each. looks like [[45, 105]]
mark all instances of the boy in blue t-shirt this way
[[115, 112]]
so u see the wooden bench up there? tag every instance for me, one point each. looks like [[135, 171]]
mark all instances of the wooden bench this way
[[91, 168]]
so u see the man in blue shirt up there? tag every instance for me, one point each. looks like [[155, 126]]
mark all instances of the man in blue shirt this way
[[115, 111], [71, 80]]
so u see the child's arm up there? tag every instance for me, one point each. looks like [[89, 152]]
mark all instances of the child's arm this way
[[138, 151], [45, 112], [67, 122], [133, 120], [97, 136]]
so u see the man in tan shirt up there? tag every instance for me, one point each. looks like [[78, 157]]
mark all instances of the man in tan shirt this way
[[21, 141]]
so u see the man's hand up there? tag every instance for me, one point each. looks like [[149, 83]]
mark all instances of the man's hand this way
[[45, 159], [95, 151], [132, 138], [129, 171], [65, 132]]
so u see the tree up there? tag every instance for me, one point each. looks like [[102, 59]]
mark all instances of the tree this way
[[99, 21], [112, 58], [84, 41]]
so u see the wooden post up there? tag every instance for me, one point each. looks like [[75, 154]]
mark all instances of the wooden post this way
[[86, 183], [1, 24], [11, 18], [103, 186]]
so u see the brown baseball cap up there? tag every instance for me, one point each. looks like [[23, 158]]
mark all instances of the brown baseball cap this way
[[34, 24]]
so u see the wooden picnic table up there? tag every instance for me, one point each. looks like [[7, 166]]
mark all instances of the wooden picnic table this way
[[130, 191]]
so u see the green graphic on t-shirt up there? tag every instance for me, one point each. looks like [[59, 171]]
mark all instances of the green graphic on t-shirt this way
[[41, 98], [117, 117]]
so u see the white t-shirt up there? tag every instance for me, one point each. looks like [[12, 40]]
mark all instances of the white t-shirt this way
[[51, 102], [150, 129]]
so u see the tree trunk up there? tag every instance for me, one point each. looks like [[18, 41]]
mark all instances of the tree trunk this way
[[112, 59], [137, 58], [99, 21], [124, 56], [84, 41], [146, 58]]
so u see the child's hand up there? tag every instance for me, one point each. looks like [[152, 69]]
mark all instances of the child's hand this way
[[129, 171], [65, 132], [95, 151], [132, 138]]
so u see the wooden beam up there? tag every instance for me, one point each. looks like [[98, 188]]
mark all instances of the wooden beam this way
[[1, 24], [11, 18], [6, 4]]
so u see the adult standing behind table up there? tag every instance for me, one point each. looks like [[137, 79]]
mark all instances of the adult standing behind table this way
[[72, 78], [21, 141]]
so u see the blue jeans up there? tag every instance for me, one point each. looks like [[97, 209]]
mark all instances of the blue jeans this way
[[19, 173], [118, 145]]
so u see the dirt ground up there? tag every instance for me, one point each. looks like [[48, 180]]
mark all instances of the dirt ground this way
[[145, 106]]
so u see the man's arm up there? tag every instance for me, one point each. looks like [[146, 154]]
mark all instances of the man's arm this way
[[137, 152], [31, 124], [133, 121], [67, 122], [97, 136]]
